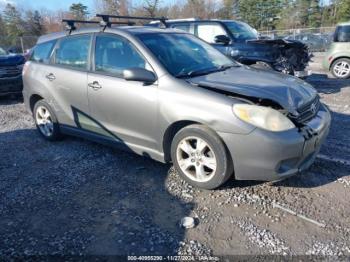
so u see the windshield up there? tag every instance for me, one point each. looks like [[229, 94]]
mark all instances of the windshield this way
[[2, 52], [342, 34], [185, 55], [242, 31]]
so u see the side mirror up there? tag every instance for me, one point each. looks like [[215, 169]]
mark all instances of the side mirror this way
[[222, 39], [139, 74]]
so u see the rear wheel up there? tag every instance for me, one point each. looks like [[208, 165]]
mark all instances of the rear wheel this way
[[341, 68], [200, 157], [46, 121]]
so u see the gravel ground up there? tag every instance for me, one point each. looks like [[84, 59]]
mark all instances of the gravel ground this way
[[76, 197]]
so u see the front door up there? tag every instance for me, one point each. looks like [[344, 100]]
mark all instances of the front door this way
[[122, 110], [208, 32]]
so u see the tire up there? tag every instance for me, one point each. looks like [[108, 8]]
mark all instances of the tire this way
[[47, 125], [341, 68], [206, 165]]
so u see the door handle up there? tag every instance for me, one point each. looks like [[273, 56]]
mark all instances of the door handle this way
[[51, 77], [95, 85]]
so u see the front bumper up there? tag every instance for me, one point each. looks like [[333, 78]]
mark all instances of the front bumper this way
[[268, 156], [11, 85]]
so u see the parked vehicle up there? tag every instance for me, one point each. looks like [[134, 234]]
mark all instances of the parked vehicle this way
[[15, 50], [241, 42], [10, 73], [170, 96], [337, 59], [316, 43]]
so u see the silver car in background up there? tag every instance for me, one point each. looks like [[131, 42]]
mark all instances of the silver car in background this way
[[165, 94]]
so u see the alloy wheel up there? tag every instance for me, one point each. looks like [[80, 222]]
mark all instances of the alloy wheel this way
[[342, 69], [44, 121], [196, 159]]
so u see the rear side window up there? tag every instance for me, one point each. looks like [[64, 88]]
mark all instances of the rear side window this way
[[342, 34], [183, 27], [41, 52], [114, 54], [74, 51], [208, 32]]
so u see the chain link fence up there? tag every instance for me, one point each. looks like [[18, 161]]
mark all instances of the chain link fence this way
[[317, 39], [18, 45]]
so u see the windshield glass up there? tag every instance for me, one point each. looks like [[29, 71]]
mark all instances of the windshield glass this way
[[242, 31], [185, 55], [2, 51], [342, 34]]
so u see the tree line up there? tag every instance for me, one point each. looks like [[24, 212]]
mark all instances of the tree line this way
[[261, 14]]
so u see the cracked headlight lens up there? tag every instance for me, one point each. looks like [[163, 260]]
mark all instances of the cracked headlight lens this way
[[263, 117]]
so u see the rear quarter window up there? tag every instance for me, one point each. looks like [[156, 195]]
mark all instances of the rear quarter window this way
[[42, 52], [183, 27], [342, 34]]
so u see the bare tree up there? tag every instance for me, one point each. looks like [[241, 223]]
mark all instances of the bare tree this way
[[201, 8], [151, 7], [112, 7]]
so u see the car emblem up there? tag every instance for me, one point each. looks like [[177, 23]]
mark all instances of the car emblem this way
[[313, 108]]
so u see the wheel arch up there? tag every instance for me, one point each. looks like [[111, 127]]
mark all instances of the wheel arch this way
[[175, 127], [170, 133], [33, 100], [336, 59]]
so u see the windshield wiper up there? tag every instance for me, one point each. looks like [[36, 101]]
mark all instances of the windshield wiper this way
[[228, 66], [207, 71], [198, 72]]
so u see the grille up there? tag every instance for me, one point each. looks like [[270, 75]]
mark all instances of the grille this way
[[9, 71], [308, 111]]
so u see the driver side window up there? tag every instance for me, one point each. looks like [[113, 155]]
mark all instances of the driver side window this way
[[208, 32], [114, 54]]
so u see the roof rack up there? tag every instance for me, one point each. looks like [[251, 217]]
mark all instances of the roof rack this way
[[71, 23], [105, 19], [107, 23], [178, 20]]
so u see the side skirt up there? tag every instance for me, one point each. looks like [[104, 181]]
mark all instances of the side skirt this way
[[116, 143]]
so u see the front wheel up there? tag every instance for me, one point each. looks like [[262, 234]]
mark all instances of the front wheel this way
[[341, 68], [200, 157]]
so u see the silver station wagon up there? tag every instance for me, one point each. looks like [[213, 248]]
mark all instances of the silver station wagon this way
[[167, 95]]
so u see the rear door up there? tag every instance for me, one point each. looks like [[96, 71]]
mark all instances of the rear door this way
[[67, 78], [122, 110]]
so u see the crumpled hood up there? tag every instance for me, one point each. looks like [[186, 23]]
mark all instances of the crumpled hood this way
[[268, 45], [288, 91], [11, 60]]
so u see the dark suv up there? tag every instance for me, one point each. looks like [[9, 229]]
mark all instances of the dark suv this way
[[11, 66], [241, 42]]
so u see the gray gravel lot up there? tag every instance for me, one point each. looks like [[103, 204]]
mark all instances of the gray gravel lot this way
[[78, 197]]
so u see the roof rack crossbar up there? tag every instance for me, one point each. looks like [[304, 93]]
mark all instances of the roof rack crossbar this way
[[71, 24], [106, 18]]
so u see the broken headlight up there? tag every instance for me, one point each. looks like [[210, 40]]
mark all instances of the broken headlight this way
[[263, 117]]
